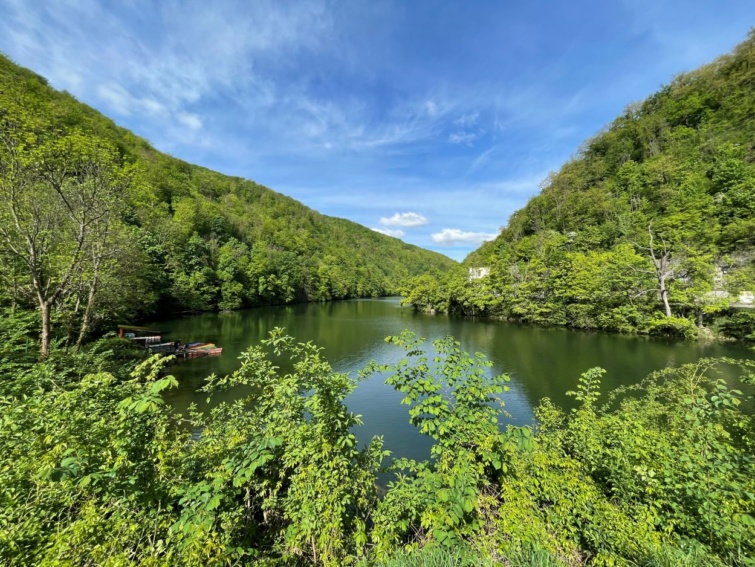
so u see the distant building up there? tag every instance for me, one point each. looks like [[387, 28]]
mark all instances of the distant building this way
[[477, 273]]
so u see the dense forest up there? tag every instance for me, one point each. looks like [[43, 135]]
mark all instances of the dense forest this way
[[97, 226], [650, 228]]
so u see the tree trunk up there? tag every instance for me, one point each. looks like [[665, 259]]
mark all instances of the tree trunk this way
[[86, 320], [44, 349], [664, 268], [664, 296], [14, 295]]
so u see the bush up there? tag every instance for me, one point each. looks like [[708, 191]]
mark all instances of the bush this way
[[739, 325], [672, 327]]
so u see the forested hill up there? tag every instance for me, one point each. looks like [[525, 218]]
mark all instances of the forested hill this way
[[188, 238], [647, 229]]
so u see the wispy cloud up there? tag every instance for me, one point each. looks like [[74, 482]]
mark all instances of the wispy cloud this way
[[451, 236], [463, 137], [254, 59], [404, 219], [191, 121], [467, 120], [124, 103], [184, 55]]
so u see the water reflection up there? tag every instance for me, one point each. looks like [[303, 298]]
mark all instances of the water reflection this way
[[541, 362]]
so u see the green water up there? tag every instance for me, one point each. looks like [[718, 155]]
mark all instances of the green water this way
[[541, 362]]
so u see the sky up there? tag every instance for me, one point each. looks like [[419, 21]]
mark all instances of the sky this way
[[428, 120]]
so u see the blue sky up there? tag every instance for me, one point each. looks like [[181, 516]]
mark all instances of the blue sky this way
[[429, 120]]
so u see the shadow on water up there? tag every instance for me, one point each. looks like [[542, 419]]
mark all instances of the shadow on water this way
[[542, 362]]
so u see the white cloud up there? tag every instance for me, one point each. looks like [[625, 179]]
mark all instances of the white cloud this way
[[467, 120], [450, 236], [404, 219], [123, 102], [191, 121], [117, 98], [463, 137], [398, 233]]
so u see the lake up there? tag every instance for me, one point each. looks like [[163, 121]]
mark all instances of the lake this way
[[541, 361]]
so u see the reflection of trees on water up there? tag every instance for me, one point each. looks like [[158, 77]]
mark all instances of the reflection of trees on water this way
[[548, 362], [542, 362]]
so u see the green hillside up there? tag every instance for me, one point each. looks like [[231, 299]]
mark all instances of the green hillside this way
[[650, 228], [187, 238]]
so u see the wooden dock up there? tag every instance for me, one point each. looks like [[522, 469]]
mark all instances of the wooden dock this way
[[150, 340]]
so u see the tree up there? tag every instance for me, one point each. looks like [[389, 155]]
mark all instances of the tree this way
[[59, 199], [665, 267], [233, 258]]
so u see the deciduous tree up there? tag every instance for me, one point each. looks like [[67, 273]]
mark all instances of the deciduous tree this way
[[59, 200]]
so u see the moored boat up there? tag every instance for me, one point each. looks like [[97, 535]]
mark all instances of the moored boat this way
[[203, 349]]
